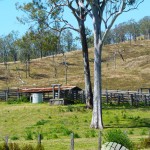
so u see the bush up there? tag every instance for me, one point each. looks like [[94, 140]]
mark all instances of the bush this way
[[41, 122], [29, 135], [14, 137], [76, 135], [22, 99], [90, 133], [119, 137]]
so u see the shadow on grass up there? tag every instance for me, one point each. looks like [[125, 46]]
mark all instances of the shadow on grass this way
[[3, 78], [39, 76], [132, 123]]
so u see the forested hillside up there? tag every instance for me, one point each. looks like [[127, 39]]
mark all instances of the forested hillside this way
[[125, 66]]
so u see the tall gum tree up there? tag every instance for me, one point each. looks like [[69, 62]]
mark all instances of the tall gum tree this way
[[103, 12]]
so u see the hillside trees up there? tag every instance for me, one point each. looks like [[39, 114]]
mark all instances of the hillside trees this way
[[132, 29], [145, 26], [67, 41], [55, 12]]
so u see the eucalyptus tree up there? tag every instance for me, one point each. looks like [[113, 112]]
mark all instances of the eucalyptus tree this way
[[67, 40], [4, 50], [103, 13], [119, 33], [25, 52], [11, 44], [144, 24], [132, 29], [49, 12]]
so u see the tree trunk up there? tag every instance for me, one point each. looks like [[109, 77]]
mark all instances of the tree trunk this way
[[87, 77], [97, 99], [96, 121]]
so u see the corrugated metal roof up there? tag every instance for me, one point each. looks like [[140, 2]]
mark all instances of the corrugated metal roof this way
[[47, 89]]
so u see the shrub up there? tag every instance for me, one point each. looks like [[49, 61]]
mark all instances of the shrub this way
[[119, 137], [70, 108], [15, 137], [23, 99], [41, 122], [76, 135], [66, 131], [143, 132], [29, 135], [18, 101], [90, 133]]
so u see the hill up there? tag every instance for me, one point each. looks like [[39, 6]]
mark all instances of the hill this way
[[124, 66]]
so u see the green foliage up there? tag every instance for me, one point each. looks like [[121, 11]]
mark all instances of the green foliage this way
[[131, 131], [70, 108], [116, 119], [76, 135], [116, 135], [12, 101], [15, 137], [41, 122], [90, 133], [66, 131], [28, 135], [22, 99], [143, 132]]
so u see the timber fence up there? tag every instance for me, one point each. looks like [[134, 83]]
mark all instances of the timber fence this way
[[134, 98]]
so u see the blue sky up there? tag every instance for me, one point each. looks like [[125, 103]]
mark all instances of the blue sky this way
[[9, 22]]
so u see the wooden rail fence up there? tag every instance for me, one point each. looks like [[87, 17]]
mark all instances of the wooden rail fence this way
[[142, 95]]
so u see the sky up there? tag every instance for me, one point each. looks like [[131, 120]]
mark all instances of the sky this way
[[8, 14]]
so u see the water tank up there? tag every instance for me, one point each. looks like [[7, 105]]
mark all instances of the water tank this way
[[36, 98]]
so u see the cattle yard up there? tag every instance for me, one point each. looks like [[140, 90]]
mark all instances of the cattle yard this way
[[57, 95]]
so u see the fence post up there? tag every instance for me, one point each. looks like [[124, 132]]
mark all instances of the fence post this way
[[6, 142], [100, 140], [6, 95], [39, 139], [106, 96], [72, 142]]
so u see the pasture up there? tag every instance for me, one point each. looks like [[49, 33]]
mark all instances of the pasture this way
[[23, 122]]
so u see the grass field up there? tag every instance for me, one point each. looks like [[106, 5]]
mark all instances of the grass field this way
[[23, 122]]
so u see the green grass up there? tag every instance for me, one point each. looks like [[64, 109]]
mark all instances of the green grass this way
[[23, 122]]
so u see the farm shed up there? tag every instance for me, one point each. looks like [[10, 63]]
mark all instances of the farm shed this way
[[68, 93]]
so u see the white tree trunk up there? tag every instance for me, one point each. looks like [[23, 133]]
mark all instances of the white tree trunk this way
[[97, 99], [97, 121]]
